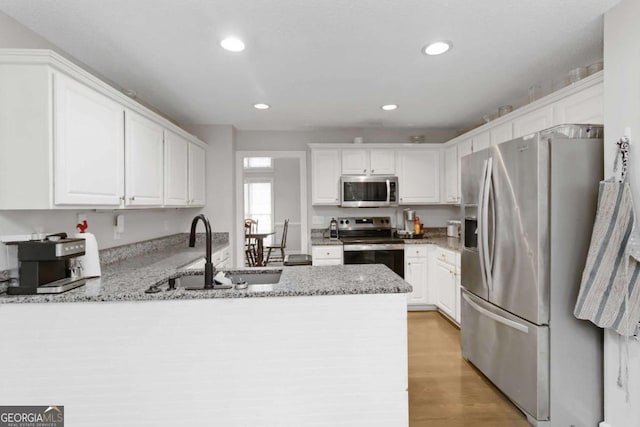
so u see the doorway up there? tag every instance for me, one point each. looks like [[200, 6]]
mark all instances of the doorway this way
[[271, 187]]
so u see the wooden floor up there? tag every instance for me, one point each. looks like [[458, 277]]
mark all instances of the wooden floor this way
[[444, 389]]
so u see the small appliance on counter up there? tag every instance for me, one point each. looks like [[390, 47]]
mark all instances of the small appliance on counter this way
[[412, 227], [333, 229], [44, 265], [453, 229]]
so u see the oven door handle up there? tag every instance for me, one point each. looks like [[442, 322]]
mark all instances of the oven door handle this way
[[376, 247]]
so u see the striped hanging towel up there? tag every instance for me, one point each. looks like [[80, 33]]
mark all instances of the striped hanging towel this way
[[610, 288]]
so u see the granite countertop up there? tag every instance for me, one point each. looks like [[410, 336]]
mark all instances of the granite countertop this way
[[451, 243], [127, 280], [323, 241]]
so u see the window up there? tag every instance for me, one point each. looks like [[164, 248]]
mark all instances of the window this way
[[258, 163], [258, 204]]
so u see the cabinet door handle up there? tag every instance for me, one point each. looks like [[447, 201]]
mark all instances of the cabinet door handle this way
[[132, 198], [122, 198], [373, 170], [365, 171]]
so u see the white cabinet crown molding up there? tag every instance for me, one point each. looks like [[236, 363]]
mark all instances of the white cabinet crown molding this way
[[60, 63], [373, 145], [548, 100]]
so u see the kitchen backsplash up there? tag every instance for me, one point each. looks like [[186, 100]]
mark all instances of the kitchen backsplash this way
[[118, 253]]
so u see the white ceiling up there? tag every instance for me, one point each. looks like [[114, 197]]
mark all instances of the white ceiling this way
[[324, 63]]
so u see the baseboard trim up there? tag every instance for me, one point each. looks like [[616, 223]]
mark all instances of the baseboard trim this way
[[604, 424]]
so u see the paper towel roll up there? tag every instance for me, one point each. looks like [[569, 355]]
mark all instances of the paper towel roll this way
[[90, 262]]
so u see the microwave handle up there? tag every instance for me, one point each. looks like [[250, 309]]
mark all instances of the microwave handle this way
[[388, 191]]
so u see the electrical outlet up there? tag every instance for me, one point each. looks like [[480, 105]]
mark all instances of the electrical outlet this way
[[120, 223]]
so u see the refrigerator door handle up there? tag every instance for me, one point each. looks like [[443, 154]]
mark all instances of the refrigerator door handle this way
[[481, 219], [492, 202], [496, 317], [486, 261]]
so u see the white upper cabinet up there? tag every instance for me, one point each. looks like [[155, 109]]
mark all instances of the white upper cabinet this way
[[144, 161], [368, 162], [534, 121], [355, 162], [451, 175], [382, 162], [464, 147], [77, 142], [481, 141], [88, 145], [325, 177], [197, 175], [585, 107], [501, 133], [176, 175], [184, 172], [419, 176]]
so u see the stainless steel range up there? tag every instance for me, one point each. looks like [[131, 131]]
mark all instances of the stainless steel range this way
[[369, 240]]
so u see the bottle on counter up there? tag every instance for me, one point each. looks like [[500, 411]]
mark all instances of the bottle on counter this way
[[416, 225], [333, 229]]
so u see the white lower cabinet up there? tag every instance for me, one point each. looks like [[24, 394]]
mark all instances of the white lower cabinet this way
[[416, 274], [327, 255], [444, 280]]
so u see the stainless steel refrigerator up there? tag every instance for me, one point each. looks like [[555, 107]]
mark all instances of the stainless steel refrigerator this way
[[528, 209]]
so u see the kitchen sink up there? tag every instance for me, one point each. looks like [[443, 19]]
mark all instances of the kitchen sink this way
[[255, 281]]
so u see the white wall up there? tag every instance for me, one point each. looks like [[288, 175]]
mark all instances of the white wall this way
[[621, 111], [286, 189]]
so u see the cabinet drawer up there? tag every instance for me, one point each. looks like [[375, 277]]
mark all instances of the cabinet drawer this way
[[327, 252], [412, 251], [449, 257]]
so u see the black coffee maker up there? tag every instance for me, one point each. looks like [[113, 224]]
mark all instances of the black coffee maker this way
[[44, 265]]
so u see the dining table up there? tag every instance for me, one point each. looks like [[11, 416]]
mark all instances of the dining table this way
[[259, 239]]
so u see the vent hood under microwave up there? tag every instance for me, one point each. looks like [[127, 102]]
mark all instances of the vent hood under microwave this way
[[368, 191]]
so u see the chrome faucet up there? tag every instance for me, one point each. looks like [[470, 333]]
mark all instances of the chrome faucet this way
[[208, 266]]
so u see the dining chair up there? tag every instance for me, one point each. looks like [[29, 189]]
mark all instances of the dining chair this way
[[250, 252], [282, 245]]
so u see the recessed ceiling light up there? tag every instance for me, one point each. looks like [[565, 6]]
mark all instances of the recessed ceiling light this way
[[389, 107], [262, 106], [232, 44], [437, 48]]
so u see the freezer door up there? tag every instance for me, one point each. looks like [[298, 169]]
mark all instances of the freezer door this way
[[511, 352], [473, 168], [518, 206]]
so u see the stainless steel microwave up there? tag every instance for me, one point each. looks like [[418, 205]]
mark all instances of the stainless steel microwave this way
[[368, 191]]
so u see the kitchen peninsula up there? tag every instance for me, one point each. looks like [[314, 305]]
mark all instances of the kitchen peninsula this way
[[323, 346]]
